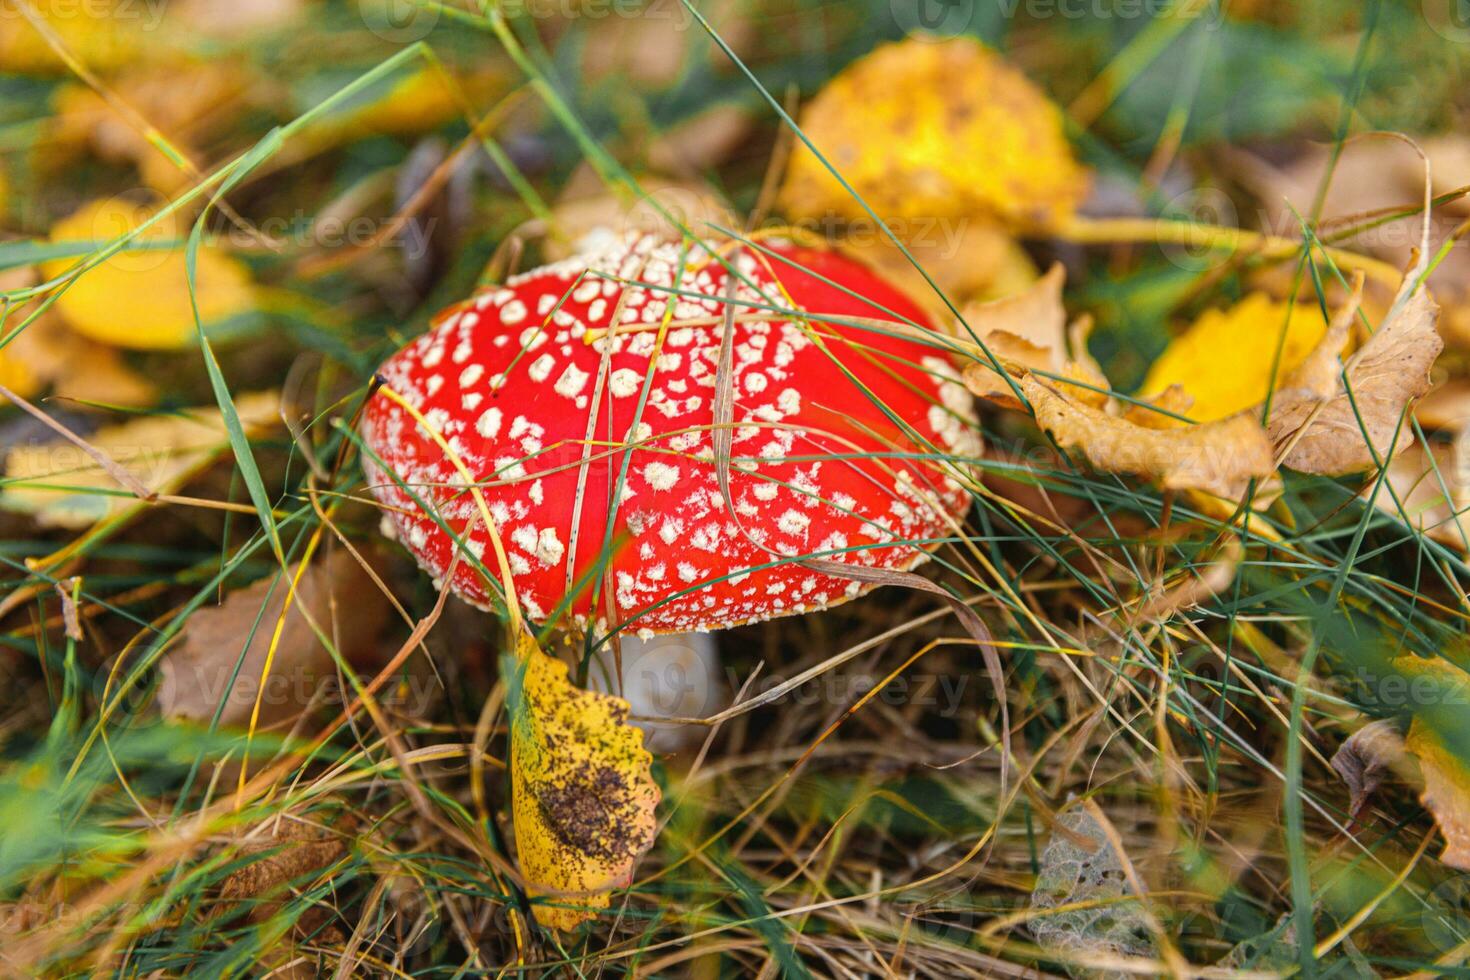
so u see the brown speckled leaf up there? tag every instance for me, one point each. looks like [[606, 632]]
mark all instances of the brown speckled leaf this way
[[584, 799]]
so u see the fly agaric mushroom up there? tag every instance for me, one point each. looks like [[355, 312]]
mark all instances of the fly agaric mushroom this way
[[581, 398]]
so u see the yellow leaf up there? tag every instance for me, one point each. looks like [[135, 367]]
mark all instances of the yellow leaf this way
[[583, 796], [1217, 457], [140, 299], [1441, 692], [102, 35], [46, 353], [65, 487], [929, 130], [1224, 359]]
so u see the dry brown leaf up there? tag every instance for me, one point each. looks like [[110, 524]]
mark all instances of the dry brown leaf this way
[[695, 145], [1028, 330], [1220, 457], [1427, 482], [1365, 758], [337, 594], [63, 486], [296, 847], [1197, 586], [1368, 175], [1318, 428], [1447, 406]]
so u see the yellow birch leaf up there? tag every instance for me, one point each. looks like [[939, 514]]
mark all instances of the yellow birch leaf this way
[[140, 299], [63, 486], [923, 130], [1223, 360], [583, 796]]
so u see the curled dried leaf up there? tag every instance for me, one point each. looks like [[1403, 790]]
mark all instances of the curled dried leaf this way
[[1318, 425], [1029, 330], [1365, 758], [921, 128], [1220, 457], [584, 798], [1158, 412], [222, 653], [1197, 585]]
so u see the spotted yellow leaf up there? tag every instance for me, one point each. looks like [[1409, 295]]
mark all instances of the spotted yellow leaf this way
[[925, 130], [583, 796], [1224, 359], [140, 298]]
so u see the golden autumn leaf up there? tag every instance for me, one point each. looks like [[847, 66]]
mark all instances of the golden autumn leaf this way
[[48, 355], [925, 129], [1224, 359], [104, 36], [1319, 426], [63, 486], [584, 798], [140, 298], [1220, 457], [1441, 692]]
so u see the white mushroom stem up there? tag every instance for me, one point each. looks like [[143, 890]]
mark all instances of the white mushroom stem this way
[[674, 675]]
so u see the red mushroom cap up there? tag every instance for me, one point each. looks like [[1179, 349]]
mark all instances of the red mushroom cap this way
[[548, 423]]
